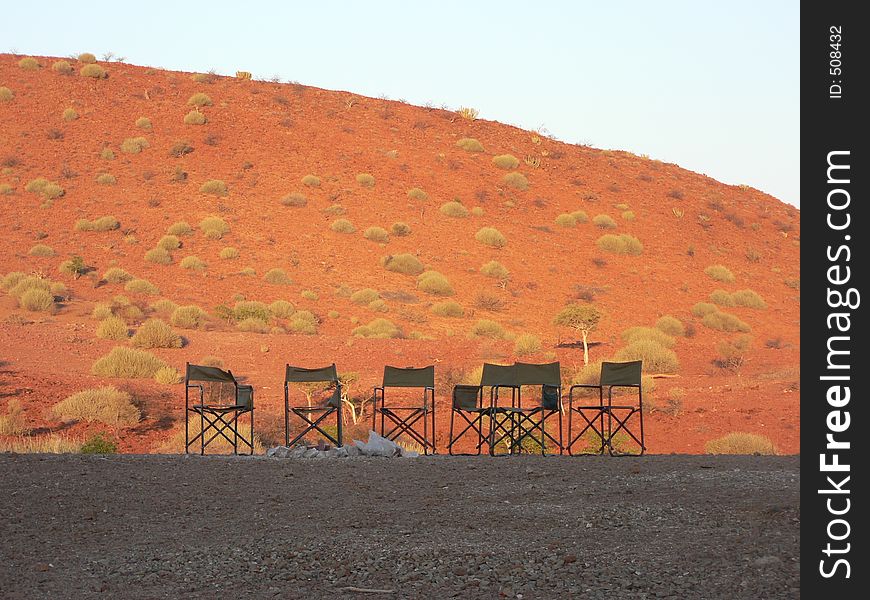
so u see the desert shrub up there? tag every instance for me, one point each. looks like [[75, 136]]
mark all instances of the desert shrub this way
[[485, 300], [491, 236], [378, 306], [294, 199], [18, 286], [106, 223], [303, 322], [794, 283], [487, 329], [87, 57], [214, 228], [311, 181], [74, 266], [604, 222], [70, 114], [10, 280], [103, 405], [41, 250], [448, 308], [167, 376], [723, 321], [748, 298], [656, 358], [6, 189], [566, 220], [277, 277], [28, 63], [516, 180], [106, 179], [400, 229], [37, 300], [155, 333], [142, 286], [62, 67], [470, 145], [505, 161], [116, 275], [310, 295], [164, 307], [701, 309], [628, 215], [134, 145], [94, 71], [192, 263], [407, 264], [732, 353], [251, 309], [580, 216], [143, 123], [12, 423], [433, 282], [215, 187], [180, 148], [169, 243], [417, 194], [721, 297], [720, 273], [378, 328], [335, 210], [633, 334], [281, 309], [454, 209], [179, 228], [342, 226], [195, 117], [671, 326], [376, 234], [199, 99], [253, 325], [99, 444], [739, 442], [127, 362], [158, 256], [620, 244], [333, 314], [101, 311], [365, 180], [49, 190], [188, 317], [527, 343], [59, 291], [477, 211], [495, 269], [364, 296], [6, 94], [107, 154]]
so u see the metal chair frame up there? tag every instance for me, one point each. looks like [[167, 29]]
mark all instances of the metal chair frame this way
[[480, 416], [213, 416], [399, 424], [305, 412]]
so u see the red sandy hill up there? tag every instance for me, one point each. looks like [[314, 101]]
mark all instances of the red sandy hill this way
[[261, 139]]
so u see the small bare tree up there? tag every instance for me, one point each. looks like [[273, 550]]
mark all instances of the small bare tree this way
[[582, 317]]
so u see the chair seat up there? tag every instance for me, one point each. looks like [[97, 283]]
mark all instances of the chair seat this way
[[312, 408], [605, 407], [220, 408]]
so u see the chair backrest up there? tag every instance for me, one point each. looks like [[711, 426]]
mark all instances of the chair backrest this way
[[411, 377], [302, 375], [467, 397], [245, 397], [208, 374], [621, 373], [550, 397], [498, 375], [549, 374]]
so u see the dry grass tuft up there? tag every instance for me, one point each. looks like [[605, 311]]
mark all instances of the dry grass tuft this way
[[199, 99], [112, 328], [671, 326], [195, 117], [103, 405], [311, 181], [400, 229], [294, 199], [215, 187], [491, 236], [470, 145], [134, 145], [739, 442], [379, 329], [656, 358], [487, 329], [214, 228], [506, 161], [448, 308], [155, 333], [93, 71], [417, 194], [377, 234], [527, 344], [516, 180], [454, 209], [720, 273], [193, 263], [620, 244], [127, 362], [277, 277], [342, 226], [365, 180], [433, 282], [407, 264], [188, 317]]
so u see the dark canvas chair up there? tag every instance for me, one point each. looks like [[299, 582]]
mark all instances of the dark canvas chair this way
[[218, 412], [468, 404], [531, 420], [599, 418], [313, 416], [403, 419], [501, 381]]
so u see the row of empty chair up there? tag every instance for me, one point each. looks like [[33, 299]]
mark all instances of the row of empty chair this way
[[514, 409]]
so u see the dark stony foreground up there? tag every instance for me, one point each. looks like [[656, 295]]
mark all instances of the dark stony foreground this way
[[515, 527]]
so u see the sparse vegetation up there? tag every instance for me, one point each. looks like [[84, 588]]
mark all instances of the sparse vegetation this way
[[749, 299], [106, 223], [721, 297], [41, 250], [303, 322], [448, 308], [28, 63], [433, 282], [400, 229], [377, 234], [112, 328], [281, 309], [580, 216], [701, 309], [311, 181], [199, 99], [566, 220], [580, 317], [142, 286], [253, 325], [252, 309], [193, 263], [215, 187], [633, 334], [195, 117], [342, 226], [158, 256], [407, 264], [103, 405], [214, 228], [143, 123], [310, 295], [620, 244], [87, 58], [127, 362], [70, 114], [107, 154], [294, 199], [656, 358], [526, 344], [488, 329], [6, 94], [516, 180], [628, 215], [277, 276], [37, 300], [155, 333], [12, 423], [604, 222], [417, 194], [671, 326], [495, 269], [188, 317], [94, 71], [116, 275], [134, 145], [364, 296], [720, 273], [75, 266], [739, 442], [365, 180], [169, 242], [378, 328], [229, 253], [470, 145], [505, 161], [62, 67], [723, 321], [491, 237], [454, 209], [486, 300], [48, 190], [732, 353], [106, 179], [167, 376]]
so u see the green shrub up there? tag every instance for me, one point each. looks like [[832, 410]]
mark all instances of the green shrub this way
[[342, 226], [215, 187], [94, 71], [6, 94], [671, 326], [495, 270], [448, 308], [721, 297], [74, 266], [400, 229], [701, 309], [179, 228], [633, 334], [417, 194], [377, 234], [488, 329], [62, 67], [188, 317], [505, 161], [407, 264], [103, 405], [491, 237], [214, 228], [106, 179], [37, 300], [364, 296], [199, 99], [169, 243], [379, 329], [143, 123], [127, 362], [294, 199], [195, 117], [155, 333], [70, 115], [433, 282], [566, 220], [748, 298], [252, 325], [281, 309], [526, 344], [303, 322], [192, 263], [620, 244], [253, 309], [277, 277], [723, 321], [516, 180], [365, 180], [87, 57], [580, 216], [28, 63], [311, 181], [41, 250], [112, 328], [656, 358], [739, 442], [454, 209], [604, 222], [309, 295], [134, 145], [167, 376], [158, 256], [720, 273], [470, 145], [142, 286]]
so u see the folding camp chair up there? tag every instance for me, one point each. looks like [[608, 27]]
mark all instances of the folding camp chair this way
[[402, 419], [532, 420], [613, 375], [217, 413], [501, 379], [327, 375], [468, 403]]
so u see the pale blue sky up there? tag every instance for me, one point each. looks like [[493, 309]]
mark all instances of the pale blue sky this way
[[711, 86]]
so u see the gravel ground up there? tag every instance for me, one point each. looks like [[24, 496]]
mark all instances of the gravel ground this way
[[468, 527]]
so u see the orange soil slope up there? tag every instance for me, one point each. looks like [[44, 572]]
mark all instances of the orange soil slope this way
[[262, 138]]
